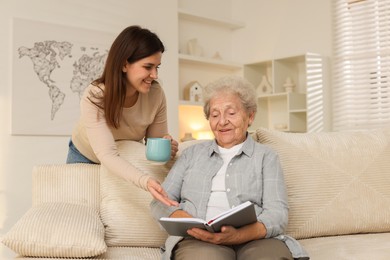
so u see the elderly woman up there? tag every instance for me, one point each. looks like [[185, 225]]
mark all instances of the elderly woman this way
[[213, 176]]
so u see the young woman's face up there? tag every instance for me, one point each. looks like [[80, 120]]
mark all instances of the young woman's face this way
[[228, 120], [141, 73]]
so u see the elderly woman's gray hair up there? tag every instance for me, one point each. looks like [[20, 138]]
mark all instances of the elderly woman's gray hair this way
[[234, 85]]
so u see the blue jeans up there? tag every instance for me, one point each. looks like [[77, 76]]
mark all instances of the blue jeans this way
[[74, 155]]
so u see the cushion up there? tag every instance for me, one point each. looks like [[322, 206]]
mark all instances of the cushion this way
[[337, 182], [58, 230], [125, 208], [76, 183]]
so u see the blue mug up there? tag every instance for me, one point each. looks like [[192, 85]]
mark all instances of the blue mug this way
[[158, 149]]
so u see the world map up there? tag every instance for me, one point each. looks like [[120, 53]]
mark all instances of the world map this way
[[47, 56]]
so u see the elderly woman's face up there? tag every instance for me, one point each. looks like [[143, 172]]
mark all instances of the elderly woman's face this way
[[228, 120]]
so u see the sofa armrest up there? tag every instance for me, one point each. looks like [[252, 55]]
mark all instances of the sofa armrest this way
[[72, 183]]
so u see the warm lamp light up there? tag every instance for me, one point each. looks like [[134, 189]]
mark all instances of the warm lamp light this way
[[204, 135], [192, 121], [196, 126]]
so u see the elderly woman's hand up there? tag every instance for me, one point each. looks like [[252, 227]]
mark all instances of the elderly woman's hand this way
[[230, 235], [174, 145]]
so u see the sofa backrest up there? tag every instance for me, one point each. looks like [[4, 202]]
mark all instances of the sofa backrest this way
[[338, 183]]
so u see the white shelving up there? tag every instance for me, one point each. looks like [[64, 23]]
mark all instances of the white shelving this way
[[214, 36], [293, 111], [289, 111]]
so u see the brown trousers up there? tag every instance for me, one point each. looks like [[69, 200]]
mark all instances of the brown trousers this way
[[267, 249]]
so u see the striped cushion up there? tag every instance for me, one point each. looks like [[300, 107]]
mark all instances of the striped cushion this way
[[337, 183], [73, 183], [125, 208], [58, 230]]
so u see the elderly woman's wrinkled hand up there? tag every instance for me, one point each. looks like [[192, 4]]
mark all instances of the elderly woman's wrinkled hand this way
[[228, 235]]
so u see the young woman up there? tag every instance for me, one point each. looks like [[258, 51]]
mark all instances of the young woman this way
[[125, 103]]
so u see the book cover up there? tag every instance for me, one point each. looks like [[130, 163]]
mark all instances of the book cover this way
[[239, 216]]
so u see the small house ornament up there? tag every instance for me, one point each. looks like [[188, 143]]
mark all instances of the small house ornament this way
[[264, 87], [193, 92]]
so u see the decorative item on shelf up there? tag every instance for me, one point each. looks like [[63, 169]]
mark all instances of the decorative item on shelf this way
[[289, 85], [187, 137], [217, 56], [280, 126], [193, 92], [264, 87], [193, 47]]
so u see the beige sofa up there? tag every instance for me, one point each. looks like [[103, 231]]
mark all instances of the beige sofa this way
[[338, 186]]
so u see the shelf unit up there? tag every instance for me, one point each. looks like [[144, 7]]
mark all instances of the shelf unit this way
[[213, 35], [298, 111], [205, 29]]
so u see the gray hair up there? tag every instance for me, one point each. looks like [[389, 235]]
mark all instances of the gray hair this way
[[234, 85]]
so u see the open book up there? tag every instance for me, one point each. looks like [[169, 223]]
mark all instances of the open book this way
[[239, 216]]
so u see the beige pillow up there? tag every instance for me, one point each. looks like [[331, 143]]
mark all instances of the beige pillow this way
[[125, 208], [58, 230], [338, 183]]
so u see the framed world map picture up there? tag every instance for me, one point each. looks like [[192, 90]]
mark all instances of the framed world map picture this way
[[52, 65]]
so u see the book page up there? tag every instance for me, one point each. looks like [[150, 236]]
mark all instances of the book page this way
[[184, 220], [229, 212]]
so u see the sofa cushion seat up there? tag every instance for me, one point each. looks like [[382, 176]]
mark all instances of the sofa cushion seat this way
[[139, 253], [359, 246]]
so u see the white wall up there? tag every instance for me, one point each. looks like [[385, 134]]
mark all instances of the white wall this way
[[18, 154], [280, 28]]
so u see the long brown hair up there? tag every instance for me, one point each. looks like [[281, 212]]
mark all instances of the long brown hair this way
[[132, 44]]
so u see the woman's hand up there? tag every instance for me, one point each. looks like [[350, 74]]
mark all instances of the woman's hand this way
[[230, 235], [174, 146], [154, 187]]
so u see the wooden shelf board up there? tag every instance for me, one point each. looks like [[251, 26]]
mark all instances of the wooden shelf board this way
[[298, 111], [185, 58], [190, 103], [192, 16]]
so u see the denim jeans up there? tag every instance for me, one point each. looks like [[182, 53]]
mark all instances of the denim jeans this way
[[74, 156]]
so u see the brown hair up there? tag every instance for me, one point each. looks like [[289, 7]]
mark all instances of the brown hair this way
[[132, 44]]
